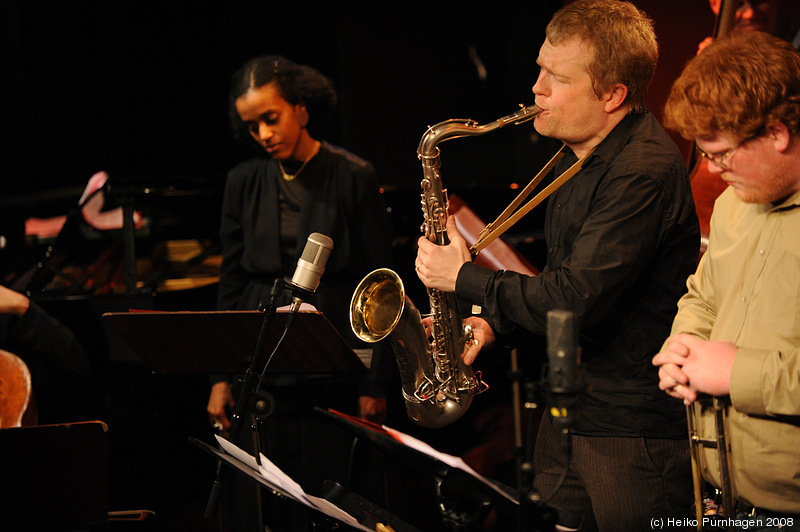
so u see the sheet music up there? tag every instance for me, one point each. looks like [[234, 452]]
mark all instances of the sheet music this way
[[237, 453], [303, 307], [276, 477], [452, 461]]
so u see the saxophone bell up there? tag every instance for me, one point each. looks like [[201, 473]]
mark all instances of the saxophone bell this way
[[380, 309]]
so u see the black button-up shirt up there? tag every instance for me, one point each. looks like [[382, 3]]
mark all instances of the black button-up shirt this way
[[622, 237]]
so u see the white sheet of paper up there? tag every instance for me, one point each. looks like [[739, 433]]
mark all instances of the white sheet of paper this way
[[452, 461], [275, 476], [303, 306], [237, 453]]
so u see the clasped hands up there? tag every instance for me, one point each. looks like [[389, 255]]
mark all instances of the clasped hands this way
[[689, 365]]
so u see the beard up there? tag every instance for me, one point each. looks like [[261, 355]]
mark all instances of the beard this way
[[772, 187]]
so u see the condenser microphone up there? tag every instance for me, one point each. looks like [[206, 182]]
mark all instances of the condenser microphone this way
[[310, 267], [563, 355]]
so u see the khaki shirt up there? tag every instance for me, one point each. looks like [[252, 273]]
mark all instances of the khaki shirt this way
[[747, 290]]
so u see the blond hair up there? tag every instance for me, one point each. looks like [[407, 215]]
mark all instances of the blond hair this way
[[622, 39]]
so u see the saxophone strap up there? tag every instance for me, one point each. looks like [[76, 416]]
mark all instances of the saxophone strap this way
[[512, 214]]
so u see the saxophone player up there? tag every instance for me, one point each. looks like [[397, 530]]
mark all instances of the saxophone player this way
[[622, 237], [737, 331]]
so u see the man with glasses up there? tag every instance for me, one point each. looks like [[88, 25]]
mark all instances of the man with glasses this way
[[778, 17], [737, 331], [719, 160]]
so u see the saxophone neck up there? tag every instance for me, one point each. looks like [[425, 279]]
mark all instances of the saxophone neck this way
[[449, 129], [457, 127]]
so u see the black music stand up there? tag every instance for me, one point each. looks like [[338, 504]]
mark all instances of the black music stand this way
[[343, 508], [232, 342], [56, 476], [465, 498], [223, 341]]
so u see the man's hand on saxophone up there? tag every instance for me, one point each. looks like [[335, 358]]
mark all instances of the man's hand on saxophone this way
[[482, 334], [483, 338], [438, 266]]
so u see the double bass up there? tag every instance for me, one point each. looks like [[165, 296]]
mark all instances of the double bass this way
[[16, 397], [707, 186]]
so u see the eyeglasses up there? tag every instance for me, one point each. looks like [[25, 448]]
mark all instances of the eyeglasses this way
[[719, 160]]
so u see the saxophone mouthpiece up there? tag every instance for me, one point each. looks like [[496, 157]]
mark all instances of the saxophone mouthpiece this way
[[524, 114]]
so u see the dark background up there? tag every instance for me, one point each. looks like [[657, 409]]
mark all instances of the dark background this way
[[139, 89]]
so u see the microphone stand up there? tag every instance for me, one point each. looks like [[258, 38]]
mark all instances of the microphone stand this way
[[262, 405], [534, 515]]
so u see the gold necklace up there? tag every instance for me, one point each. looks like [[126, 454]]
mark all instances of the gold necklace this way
[[290, 177]]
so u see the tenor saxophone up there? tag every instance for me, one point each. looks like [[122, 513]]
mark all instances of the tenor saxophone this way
[[436, 384]]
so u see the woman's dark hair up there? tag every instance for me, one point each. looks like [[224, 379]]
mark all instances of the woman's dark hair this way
[[297, 84]]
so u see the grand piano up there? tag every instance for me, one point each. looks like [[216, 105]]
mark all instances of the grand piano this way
[[165, 237]]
